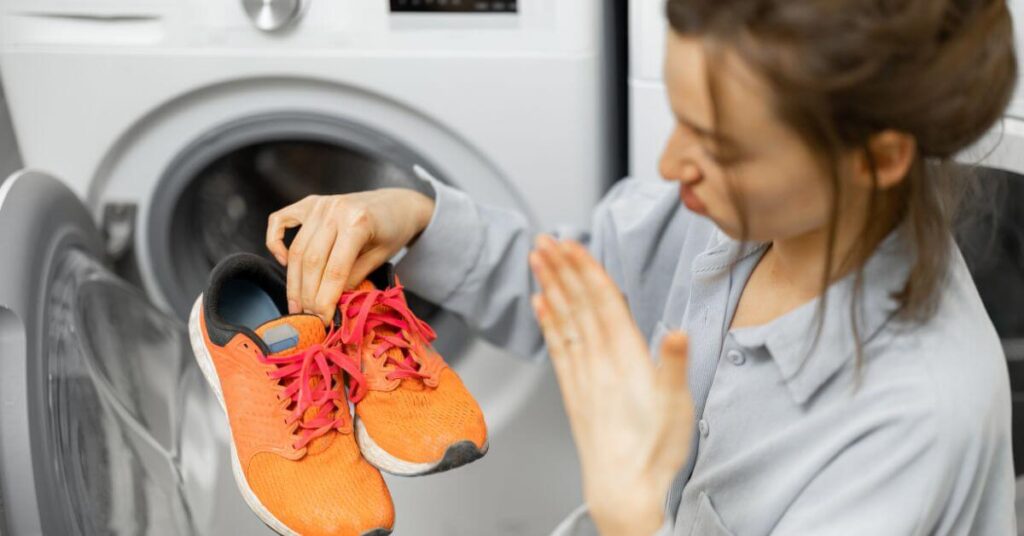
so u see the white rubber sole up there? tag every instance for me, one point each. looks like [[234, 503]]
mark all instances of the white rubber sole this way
[[202, 354], [457, 455]]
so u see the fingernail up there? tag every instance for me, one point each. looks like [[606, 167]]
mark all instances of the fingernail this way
[[293, 307]]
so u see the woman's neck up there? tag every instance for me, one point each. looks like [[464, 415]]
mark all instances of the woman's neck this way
[[801, 260], [792, 271]]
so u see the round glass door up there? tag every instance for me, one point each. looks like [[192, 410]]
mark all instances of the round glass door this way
[[140, 441]]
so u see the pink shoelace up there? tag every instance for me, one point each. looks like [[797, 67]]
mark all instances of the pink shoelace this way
[[358, 307], [325, 362]]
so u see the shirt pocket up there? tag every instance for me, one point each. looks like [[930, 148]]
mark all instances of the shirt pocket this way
[[707, 521]]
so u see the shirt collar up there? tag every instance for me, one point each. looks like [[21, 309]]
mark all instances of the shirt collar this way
[[723, 252], [788, 338]]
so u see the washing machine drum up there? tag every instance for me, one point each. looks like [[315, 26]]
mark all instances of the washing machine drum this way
[[213, 204], [216, 197], [105, 424]]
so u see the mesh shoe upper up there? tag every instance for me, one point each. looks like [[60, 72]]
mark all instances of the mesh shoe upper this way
[[416, 406]]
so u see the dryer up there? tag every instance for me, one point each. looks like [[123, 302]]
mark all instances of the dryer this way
[[158, 135]]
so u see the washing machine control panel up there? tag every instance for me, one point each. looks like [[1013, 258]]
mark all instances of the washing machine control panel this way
[[454, 6]]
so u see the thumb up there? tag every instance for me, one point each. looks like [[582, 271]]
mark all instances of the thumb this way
[[672, 370]]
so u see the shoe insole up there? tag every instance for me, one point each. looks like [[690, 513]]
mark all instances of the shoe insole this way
[[244, 303]]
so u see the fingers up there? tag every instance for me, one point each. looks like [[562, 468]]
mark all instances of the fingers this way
[[545, 269], [314, 260], [594, 300], [554, 338], [336, 274], [674, 361], [296, 254], [577, 334], [288, 217], [367, 262], [558, 277], [340, 240], [612, 310]]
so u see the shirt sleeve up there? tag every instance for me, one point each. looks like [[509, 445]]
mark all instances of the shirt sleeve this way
[[472, 259]]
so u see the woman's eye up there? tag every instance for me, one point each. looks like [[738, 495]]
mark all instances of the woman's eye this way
[[722, 157], [712, 155]]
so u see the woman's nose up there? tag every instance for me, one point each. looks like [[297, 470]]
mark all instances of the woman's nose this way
[[689, 173], [684, 171]]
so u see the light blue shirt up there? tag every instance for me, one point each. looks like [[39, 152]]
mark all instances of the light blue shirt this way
[[784, 442]]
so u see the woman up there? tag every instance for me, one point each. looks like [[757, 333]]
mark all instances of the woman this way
[[826, 365]]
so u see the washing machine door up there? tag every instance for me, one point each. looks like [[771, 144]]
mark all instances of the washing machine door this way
[[105, 425]]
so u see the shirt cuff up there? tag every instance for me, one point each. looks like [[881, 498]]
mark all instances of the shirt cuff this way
[[438, 261]]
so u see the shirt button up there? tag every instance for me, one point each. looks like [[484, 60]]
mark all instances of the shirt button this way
[[736, 357], [702, 425]]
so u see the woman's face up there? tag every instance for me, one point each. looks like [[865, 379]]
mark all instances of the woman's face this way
[[748, 162]]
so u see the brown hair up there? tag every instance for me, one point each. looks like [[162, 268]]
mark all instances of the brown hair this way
[[942, 71]]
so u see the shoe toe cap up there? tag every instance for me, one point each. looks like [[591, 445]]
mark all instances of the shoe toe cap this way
[[335, 492], [421, 425]]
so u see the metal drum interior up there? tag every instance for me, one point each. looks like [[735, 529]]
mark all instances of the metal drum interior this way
[[214, 200]]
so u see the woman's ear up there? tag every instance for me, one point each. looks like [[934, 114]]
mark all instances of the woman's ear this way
[[892, 153]]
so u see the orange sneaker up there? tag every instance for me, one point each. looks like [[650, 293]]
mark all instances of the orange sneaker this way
[[417, 417], [280, 379]]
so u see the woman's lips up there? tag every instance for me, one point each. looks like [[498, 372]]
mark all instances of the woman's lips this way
[[691, 200]]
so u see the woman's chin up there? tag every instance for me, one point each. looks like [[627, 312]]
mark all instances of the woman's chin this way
[[730, 229]]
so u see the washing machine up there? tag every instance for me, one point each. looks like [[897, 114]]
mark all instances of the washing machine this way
[[157, 135], [992, 240]]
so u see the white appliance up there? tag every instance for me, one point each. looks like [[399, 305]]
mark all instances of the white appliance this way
[[161, 132], [993, 247], [650, 117]]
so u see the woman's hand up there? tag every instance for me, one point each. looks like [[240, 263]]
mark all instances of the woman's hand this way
[[343, 238], [631, 420]]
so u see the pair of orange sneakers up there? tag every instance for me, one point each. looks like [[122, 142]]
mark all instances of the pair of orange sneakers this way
[[303, 463]]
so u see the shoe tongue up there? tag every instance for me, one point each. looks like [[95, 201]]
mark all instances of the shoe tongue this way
[[393, 353], [292, 333], [365, 285]]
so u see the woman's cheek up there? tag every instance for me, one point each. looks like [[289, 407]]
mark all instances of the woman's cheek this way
[[781, 213], [725, 199]]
